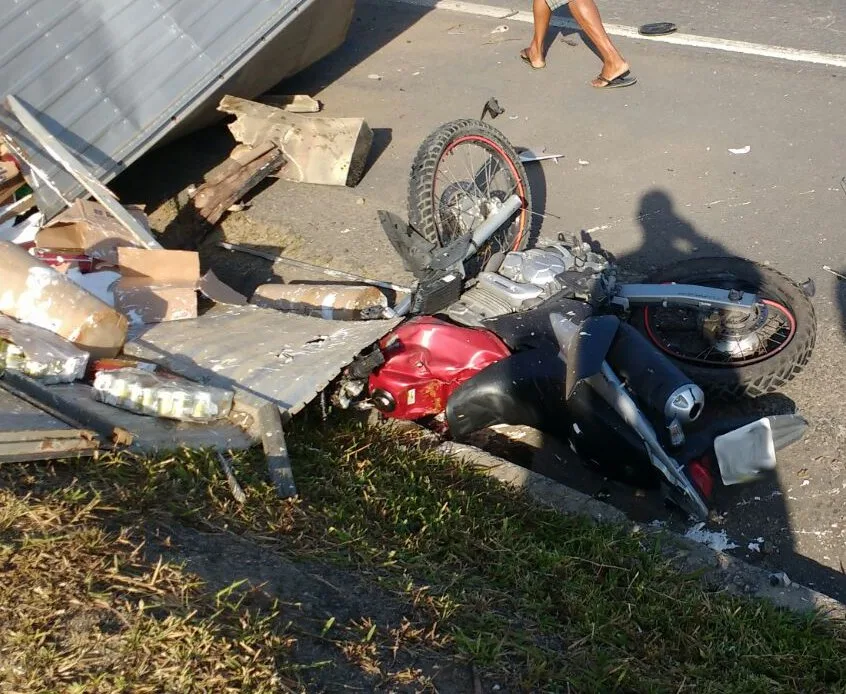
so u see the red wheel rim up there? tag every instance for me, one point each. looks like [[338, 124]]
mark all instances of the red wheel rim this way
[[783, 310]]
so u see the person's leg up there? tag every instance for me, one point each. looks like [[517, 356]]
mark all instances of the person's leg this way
[[586, 13], [542, 15]]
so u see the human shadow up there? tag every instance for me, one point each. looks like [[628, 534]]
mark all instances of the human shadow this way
[[745, 512]]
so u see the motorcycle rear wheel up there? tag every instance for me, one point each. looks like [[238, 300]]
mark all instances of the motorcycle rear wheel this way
[[787, 321]]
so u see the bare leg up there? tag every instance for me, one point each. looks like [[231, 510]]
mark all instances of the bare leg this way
[[542, 15], [586, 14]]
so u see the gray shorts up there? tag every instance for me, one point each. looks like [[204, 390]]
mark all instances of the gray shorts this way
[[555, 4]]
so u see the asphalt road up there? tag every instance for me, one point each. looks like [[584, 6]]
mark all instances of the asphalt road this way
[[648, 173]]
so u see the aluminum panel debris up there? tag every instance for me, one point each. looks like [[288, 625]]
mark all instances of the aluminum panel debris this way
[[112, 78], [264, 355], [28, 433], [127, 429]]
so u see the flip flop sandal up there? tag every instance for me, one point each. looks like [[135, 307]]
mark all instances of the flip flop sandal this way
[[528, 62], [624, 80], [657, 29]]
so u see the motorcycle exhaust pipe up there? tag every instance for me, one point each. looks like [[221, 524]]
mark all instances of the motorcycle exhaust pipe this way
[[659, 384], [609, 387]]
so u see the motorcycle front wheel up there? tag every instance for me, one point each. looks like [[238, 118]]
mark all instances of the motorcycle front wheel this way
[[462, 172], [731, 354]]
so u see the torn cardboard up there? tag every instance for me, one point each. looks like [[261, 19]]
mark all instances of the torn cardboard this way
[[88, 227], [159, 285]]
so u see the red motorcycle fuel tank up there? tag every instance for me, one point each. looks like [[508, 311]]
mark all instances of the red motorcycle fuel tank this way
[[426, 359]]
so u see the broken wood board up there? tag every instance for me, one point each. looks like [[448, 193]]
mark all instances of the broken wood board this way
[[125, 429], [262, 354], [292, 103], [29, 433], [212, 200], [326, 151]]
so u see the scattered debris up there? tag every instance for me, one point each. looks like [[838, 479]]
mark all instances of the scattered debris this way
[[18, 208], [718, 541], [276, 451], [40, 354], [328, 272], [833, 272], [234, 486], [329, 301], [501, 29], [741, 150], [584, 162], [37, 294], [529, 155], [157, 286], [160, 394], [10, 178], [28, 432], [80, 172], [328, 151], [656, 29], [374, 76], [89, 228], [780, 579]]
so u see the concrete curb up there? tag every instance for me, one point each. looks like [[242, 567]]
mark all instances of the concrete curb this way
[[731, 575]]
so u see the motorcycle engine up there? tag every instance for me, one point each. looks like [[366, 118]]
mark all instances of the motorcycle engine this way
[[525, 279]]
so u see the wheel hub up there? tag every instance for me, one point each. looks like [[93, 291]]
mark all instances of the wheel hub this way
[[734, 333], [465, 208]]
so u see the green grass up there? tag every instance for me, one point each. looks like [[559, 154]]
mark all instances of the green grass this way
[[534, 600]]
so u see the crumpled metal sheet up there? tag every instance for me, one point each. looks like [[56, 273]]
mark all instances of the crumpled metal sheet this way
[[113, 78], [264, 355]]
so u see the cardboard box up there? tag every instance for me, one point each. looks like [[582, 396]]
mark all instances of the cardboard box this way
[[87, 227], [157, 285]]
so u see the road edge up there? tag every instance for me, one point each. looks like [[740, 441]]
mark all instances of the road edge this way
[[732, 575]]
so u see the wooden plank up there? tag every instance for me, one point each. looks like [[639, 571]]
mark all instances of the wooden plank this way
[[238, 157], [212, 201]]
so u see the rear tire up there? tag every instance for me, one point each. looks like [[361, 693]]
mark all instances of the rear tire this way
[[755, 379]]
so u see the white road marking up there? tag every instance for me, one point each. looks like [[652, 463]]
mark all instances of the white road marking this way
[[797, 55]]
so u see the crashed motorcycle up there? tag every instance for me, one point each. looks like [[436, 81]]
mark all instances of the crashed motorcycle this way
[[551, 338]]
